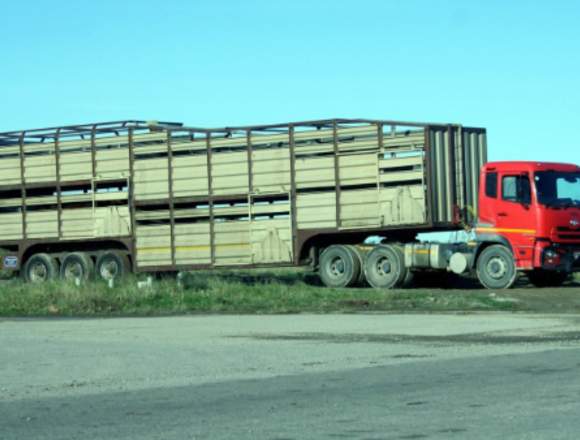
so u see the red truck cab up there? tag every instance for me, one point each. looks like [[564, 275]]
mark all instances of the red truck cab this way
[[529, 212]]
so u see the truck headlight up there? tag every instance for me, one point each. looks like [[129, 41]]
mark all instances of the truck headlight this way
[[551, 257]]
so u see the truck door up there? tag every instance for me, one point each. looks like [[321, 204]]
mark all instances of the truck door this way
[[515, 215]]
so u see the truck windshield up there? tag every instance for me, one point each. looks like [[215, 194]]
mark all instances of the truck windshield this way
[[557, 188]]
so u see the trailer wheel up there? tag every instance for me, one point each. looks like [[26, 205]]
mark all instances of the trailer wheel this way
[[385, 268], [496, 268], [113, 265], [40, 268], [339, 266], [547, 278], [77, 265]]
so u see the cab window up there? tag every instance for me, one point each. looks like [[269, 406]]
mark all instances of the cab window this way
[[516, 189], [491, 185]]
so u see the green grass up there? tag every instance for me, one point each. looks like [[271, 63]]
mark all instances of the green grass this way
[[256, 292]]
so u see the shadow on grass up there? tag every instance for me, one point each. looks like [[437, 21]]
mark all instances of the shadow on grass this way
[[259, 277]]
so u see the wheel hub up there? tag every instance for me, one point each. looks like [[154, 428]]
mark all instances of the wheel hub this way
[[496, 268], [337, 267], [38, 273], [73, 271], [109, 270], [384, 266]]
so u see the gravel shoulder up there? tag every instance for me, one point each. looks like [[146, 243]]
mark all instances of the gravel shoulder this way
[[61, 357]]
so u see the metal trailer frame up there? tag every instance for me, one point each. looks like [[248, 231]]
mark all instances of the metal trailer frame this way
[[301, 239]]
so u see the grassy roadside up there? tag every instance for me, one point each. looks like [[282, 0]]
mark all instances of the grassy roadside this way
[[261, 292]]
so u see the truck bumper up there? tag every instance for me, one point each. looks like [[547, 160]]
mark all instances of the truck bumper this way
[[561, 258]]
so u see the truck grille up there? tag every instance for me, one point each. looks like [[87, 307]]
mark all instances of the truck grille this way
[[563, 233]]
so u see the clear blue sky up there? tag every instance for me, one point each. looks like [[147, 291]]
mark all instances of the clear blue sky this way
[[513, 67]]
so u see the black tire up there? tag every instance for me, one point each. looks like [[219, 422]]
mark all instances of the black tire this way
[[496, 268], [77, 265], [547, 278], [339, 266], [385, 267], [113, 265], [40, 268], [360, 255]]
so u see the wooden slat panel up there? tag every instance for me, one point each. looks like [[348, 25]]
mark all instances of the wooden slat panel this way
[[367, 130], [229, 173], [402, 205], [11, 225], [40, 168], [359, 208], [78, 223], [271, 170], [153, 245], [413, 139], [395, 162], [66, 198], [76, 166], [7, 151], [232, 241], [316, 210], [112, 163], [9, 171], [313, 172], [401, 176], [190, 175], [271, 240], [151, 179], [357, 169], [41, 224]]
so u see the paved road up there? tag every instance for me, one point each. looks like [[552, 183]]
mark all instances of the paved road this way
[[292, 377]]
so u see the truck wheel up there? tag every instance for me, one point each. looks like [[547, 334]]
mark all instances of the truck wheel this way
[[40, 268], [339, 266], [547, 278], [77, 265], [360, 255], [113, 265], [385, 267], [496, 268]]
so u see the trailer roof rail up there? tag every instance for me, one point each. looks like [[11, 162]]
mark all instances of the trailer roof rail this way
[[82, 130]]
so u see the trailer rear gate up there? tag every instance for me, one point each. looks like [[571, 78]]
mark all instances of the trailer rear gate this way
[[189, 197]]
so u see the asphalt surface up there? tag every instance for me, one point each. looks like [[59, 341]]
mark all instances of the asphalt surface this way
[[292, 377]]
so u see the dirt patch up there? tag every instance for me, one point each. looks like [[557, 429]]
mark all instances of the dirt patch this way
[[570, 337], [550, 299]]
